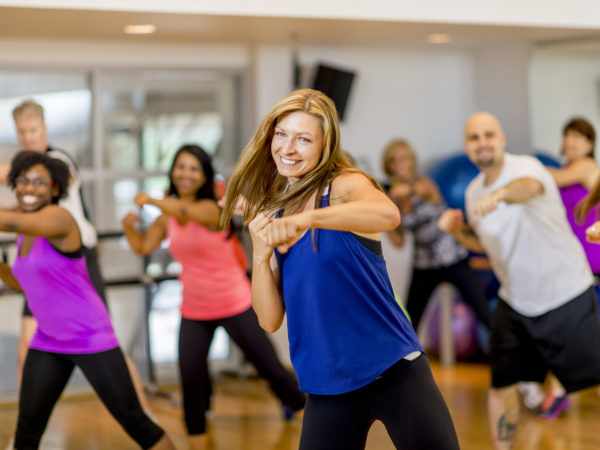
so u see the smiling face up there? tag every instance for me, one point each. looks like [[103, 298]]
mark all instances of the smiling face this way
[[576, 146], [34, 188], [187, 175], [31, 132], [297, 145], [484, 141]]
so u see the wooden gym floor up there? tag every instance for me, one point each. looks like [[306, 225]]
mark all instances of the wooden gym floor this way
[[246, 416]]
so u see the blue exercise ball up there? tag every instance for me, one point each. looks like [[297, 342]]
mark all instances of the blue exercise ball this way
[[547, 160], [453, 174]]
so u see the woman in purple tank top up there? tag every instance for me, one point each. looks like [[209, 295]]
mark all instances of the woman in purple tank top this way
[[315, 221], [74, 327], [575, 179]]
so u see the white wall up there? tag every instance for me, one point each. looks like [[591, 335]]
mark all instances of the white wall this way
[[421, 94], [502, 88], [551, 13], [564, 83]]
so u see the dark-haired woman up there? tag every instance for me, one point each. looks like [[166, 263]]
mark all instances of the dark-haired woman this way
[[216, 290], [74, 327]]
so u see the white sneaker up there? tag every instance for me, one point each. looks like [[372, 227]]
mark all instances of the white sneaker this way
[[533, 394]]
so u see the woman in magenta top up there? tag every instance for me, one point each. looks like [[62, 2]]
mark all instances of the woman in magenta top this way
[[74, 327], [575, 180], [577, 177], [216, 290]]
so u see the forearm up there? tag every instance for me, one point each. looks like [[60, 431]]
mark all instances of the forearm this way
[[135, 239], [356, 216], [467, 237], [396, 236], [204, 211], [9, 279], [520, 191], [266, 298]]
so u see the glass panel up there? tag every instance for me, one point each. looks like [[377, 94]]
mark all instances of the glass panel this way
[[148, 115], [66, 99]]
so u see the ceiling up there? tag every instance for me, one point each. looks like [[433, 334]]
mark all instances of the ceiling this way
[[36, 23]]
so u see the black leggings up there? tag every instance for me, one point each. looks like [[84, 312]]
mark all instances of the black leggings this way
[[195, 337], [405, 398], [424, 281], [45, 376]]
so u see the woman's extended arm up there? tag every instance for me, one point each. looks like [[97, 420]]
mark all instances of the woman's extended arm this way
[[144, 243], [9, 279], [266, 295], [51, 221], [356, 206], [584, 171], [204, 211]]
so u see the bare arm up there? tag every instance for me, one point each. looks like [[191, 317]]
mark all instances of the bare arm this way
[[584, 171], [144, 243], [396, 236], [9, 279], [266, 295], [452, 221], [520, 190], [51, 221], [356, 206], [427, 190], [4, 170], [205, 211]]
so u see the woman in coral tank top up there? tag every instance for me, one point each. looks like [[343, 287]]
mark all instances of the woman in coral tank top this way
[[216, 290]]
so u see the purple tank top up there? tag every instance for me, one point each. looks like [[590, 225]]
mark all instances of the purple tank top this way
[[71, 316], [571, 195]]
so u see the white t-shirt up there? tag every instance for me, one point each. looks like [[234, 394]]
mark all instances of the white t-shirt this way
[[536, 257]]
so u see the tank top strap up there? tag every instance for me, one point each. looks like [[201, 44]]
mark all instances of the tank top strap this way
[[324, 201]]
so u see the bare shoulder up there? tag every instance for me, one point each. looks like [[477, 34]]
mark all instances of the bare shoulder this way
[[349, 186], [345, 182]]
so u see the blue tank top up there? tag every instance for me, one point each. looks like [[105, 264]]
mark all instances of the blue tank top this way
[[344, 325]]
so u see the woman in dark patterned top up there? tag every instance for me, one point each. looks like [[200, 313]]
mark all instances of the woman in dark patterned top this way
[[437, 255]]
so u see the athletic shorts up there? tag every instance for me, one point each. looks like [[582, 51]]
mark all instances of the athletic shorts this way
[[93, 267], [565, 341]]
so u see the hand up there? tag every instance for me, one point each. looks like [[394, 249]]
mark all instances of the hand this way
[[488, 203], [285, 232], [261, 250], [400, 191], [130, 220], [142, 199], [451, 221], [592, 234], [421, 188]]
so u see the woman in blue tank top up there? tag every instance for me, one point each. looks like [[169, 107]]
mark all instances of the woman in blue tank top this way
[[315, 223], [74, 327]]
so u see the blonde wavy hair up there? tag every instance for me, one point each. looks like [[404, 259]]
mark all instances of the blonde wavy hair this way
[[255, 176]]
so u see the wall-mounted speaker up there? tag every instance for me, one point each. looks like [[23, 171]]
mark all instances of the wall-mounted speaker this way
[[336, 84]]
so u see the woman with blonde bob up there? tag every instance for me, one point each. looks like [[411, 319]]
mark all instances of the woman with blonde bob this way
[[353, 349]]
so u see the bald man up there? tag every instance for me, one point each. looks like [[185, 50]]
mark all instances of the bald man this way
[[547, 315]]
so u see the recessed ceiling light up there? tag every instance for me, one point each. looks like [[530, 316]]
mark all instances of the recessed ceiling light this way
[[439, 38], [140, 29]]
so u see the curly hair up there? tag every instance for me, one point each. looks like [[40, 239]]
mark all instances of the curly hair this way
[[59, 172]]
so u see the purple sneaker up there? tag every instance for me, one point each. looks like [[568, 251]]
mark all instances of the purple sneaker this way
[[556, 407]]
